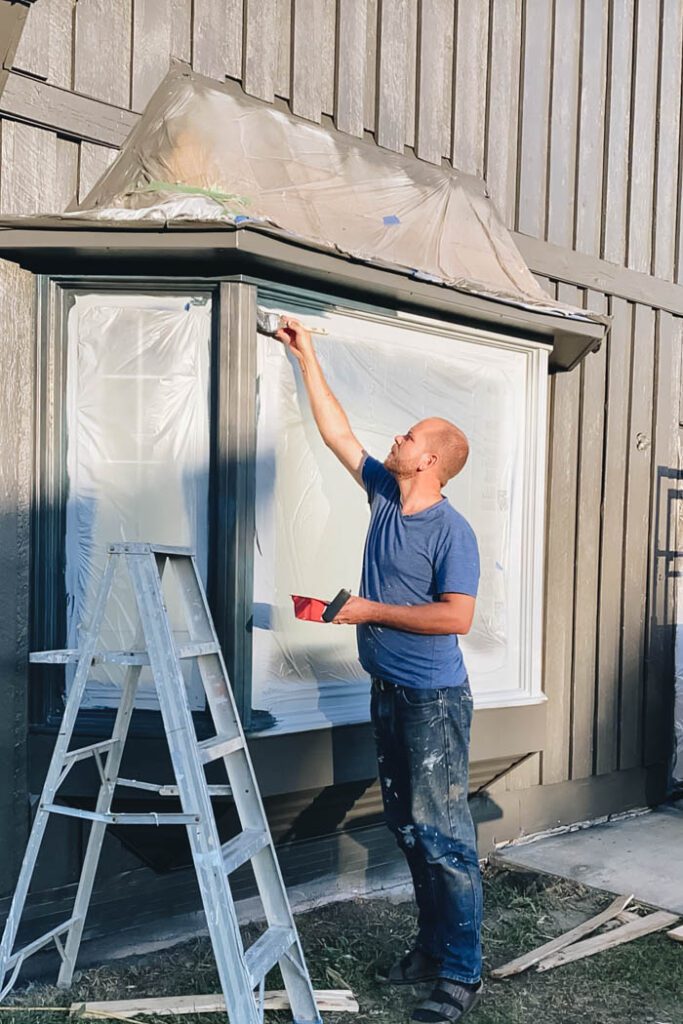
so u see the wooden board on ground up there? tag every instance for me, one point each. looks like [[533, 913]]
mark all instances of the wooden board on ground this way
[[332, 1000], [597, 943], [676, 934], [522, 963]]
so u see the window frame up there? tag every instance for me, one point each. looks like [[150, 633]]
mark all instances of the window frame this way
[[231, 478], [532, 610]]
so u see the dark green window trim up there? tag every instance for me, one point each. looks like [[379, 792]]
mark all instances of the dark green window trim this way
[[231, 491]]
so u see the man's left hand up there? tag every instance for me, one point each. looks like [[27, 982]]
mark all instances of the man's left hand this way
[[355, 611]]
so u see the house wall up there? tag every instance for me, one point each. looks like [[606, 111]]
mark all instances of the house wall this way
[[571, 111]]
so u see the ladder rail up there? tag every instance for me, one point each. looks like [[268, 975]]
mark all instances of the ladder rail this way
[[98, 828], [54, 772], [205, 842], [246, 793]]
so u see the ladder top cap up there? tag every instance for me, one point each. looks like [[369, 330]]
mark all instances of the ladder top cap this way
[[146, 549]]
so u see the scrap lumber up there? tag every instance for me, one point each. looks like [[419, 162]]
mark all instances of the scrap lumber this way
[[676, 934], [522, 963], [597, 943], [333, 1000]]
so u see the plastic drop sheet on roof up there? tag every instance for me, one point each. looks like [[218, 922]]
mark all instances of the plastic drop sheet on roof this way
[[312, 517], [206, 152], [137, 413]]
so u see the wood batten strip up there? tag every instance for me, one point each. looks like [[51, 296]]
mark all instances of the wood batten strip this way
[[411, 73], [260, 48], [351, 66], [283, 59], [620, 64], [469, 89], [534, 113], [328, 49], [391, 80], [33, 52], [636, 534], [45, 48], [371, 45], [102, 50], [591, 141], [306, 99], [586, 603], [217, 38], [643, 137], [560, 554], [503, 106], [436, 17], [564, 122], [152, 41], [618, 349], [80, 117]]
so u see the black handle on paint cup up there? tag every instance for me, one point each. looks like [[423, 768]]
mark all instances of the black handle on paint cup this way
[[336, 605]]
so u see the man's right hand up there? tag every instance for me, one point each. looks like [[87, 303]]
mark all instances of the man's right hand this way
[[295, 336], [330, 418]]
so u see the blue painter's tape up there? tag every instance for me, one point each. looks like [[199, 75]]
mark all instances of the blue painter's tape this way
[[392, 219], [240, 218]]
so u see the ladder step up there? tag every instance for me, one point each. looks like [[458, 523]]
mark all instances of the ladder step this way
[[54, 657], [70, 657], [80, 753], [145, 549], [266, 951], [197, 650], [144, 818], [219, 746], [168, 790], [243, 847], [38, 943]]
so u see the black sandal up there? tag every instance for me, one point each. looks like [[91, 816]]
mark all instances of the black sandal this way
[[447, 1002], [414, 968]]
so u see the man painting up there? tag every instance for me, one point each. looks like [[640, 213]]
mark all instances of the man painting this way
[[419, 584]]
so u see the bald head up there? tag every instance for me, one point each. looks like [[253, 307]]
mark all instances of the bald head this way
[[450, 444], [434, 445]]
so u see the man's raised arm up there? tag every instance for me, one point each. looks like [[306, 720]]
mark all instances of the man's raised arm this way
[[330, 418]]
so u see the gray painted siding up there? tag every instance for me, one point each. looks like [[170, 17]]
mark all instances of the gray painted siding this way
[[487, 85], [519, 90]]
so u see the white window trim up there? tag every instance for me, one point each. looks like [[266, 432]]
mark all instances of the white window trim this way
[[530, 691]]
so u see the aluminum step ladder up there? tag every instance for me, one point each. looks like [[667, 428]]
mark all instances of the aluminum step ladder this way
[[241, 971]]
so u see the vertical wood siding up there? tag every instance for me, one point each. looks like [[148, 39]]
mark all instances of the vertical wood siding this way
[[571, 109]]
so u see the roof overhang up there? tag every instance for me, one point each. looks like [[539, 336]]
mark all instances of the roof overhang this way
[[55, 247]]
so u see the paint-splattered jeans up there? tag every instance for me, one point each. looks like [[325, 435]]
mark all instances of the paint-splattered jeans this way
[[422, 741]]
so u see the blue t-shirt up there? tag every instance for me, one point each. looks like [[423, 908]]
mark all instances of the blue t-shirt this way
[[411, 560]]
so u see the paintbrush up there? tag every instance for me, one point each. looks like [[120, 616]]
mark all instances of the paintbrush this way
[[270, 323]]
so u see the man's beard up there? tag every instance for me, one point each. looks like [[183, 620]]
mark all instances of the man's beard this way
[[400, 470]]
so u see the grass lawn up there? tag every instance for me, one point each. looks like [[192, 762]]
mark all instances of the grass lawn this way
[[346, 943]]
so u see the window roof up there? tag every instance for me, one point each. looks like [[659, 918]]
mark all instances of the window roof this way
[[206, 163]]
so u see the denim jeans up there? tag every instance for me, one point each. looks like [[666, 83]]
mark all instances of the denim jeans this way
[[422, 739]]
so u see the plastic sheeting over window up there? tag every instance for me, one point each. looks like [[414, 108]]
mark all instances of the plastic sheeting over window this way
[[311, 516], [204, 151], [138, 454]]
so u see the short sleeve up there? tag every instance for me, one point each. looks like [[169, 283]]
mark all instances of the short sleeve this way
[[374, 475], [456, 562]]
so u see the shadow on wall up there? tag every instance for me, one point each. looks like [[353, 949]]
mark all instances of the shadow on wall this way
[[664, 702]]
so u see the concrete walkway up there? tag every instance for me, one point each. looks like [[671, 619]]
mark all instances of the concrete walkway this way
[[641, 855]]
